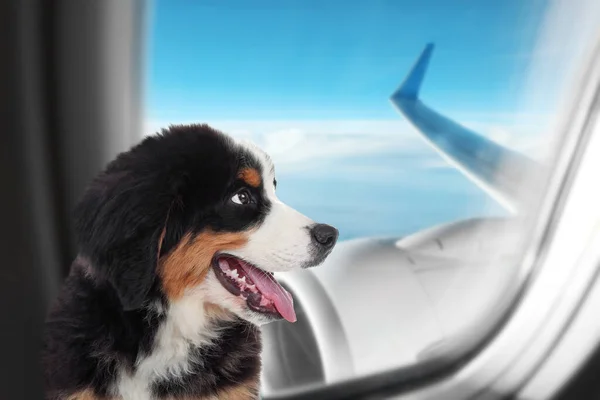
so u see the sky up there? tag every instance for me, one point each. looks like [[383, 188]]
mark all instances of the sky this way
[[310, 80], [314, 59]]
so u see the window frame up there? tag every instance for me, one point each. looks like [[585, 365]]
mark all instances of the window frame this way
[[513, 354]]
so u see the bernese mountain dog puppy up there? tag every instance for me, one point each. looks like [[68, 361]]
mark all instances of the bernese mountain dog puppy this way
[[178, 241]]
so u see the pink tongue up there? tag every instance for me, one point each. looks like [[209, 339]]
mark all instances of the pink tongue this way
[[273, 291]]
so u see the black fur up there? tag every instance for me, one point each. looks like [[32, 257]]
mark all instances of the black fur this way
[[179, 182], [89, 335]]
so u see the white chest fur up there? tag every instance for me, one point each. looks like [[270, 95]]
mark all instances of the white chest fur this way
[[186, 326]]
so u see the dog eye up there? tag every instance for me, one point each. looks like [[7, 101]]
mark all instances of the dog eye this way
[[242, 198]]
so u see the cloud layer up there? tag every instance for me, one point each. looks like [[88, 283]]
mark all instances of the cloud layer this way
[[304, 145]]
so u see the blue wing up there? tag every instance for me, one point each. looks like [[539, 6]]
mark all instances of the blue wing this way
[[494, 168]]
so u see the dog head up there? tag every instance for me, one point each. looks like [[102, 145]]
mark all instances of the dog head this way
[[193, 211]]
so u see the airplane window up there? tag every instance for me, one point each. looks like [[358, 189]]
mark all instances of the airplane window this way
[[424, 131]]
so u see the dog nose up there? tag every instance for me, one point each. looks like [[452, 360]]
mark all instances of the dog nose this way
[[324, 235]]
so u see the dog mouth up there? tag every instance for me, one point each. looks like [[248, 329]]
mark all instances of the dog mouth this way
[[263, 294]]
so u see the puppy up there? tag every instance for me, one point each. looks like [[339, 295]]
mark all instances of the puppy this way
[[178, 242]]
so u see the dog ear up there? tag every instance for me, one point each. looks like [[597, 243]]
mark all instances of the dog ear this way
[[119, 224]]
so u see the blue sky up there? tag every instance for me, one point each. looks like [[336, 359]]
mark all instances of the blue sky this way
[[310, 81], [332, 59]]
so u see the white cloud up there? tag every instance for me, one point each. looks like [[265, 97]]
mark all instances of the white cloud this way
[[293, 144], [534, 137], [304, 145]]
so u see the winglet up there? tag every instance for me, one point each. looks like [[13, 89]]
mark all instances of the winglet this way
[[500, 171], [411, 86]]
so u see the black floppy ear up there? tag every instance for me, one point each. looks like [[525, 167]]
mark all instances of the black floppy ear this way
[[119, 224]]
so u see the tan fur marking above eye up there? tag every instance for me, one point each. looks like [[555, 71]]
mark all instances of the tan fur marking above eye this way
[[187, 264], [251, 176]]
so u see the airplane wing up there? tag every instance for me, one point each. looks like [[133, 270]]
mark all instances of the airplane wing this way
[[499, 171]]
